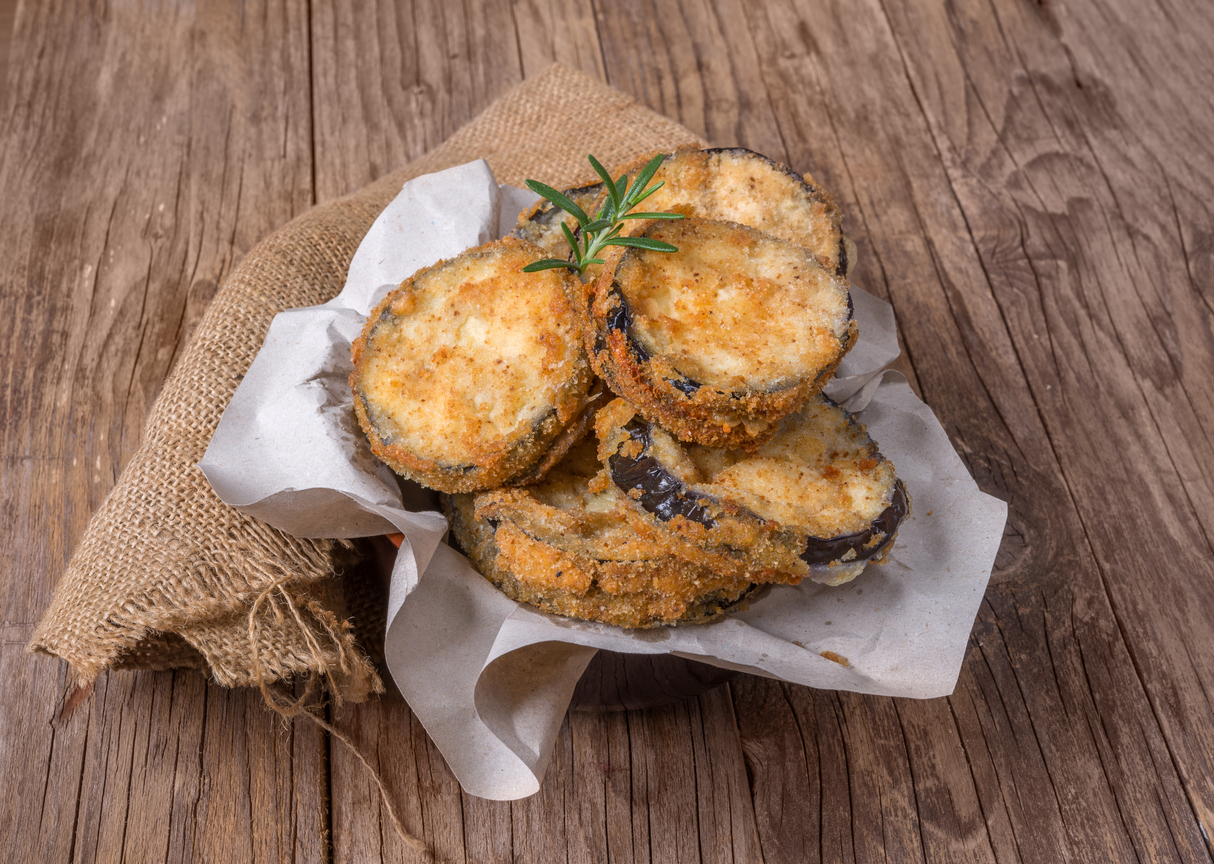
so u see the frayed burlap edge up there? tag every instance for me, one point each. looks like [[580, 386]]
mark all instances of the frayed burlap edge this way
[[166, 575]]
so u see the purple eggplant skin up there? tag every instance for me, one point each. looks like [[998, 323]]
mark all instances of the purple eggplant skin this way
[[819, 550], [646, 481], [659, 492]]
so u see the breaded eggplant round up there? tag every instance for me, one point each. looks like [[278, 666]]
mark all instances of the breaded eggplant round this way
[[467, 374], [817, 500], [720, 340], [569, 550], [576, 510], [541, 222], [738, 185]]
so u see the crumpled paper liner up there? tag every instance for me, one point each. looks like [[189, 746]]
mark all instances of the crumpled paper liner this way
[[491, 679]]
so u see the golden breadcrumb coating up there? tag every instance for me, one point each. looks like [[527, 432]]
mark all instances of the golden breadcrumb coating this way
[[720, 340], [633, 592], [466, 374], [819, 494], [738, 185]]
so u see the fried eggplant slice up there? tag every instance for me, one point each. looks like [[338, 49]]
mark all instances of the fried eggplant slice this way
[[720, 340], [628, 586], [738, 185], [818, 500], [572, 545], [467, 374], [577, 511], [541, 222]]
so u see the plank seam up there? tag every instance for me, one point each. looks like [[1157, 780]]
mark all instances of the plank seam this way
[[1041, 750], [1083, 663], [311, 101], [969, 764], [737, 737], [88, 734], [168, 835], [598, 36], [910, 767], [792, 711]]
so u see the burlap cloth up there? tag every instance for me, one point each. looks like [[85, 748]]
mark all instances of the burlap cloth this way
[[166, 574]]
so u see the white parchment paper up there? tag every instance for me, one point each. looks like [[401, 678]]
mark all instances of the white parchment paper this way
[[491, 679]]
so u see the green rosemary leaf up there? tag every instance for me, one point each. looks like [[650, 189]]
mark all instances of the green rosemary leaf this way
[[573, 244], [560, 199], [642, 243], [649, 192], [548, 264], [610, 183], [644, 177], [604, 230]]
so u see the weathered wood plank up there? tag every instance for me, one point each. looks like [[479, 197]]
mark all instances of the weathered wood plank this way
[[953, 826], [393, 80], [789, 796], [595, 782], [663, 785], [40, 754], [149, 149], [728, 832], [8, 20], [558, 32], [260, 800], [693, 61], [423, 789], [540, 824]]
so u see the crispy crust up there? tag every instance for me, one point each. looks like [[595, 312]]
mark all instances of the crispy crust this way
[[677, 335], [569, 438], [449, 407], [634, 593], [818, 500], [577, 511], [738, 185]]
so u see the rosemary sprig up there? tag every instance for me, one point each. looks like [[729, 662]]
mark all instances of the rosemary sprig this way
[[604, 229]]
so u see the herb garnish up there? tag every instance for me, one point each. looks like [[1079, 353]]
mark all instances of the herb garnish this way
[[604, 230]]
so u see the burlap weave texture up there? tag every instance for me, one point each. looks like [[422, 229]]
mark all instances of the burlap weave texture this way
[[166, 574]]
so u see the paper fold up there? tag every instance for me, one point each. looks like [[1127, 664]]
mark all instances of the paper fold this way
[[491, 679]]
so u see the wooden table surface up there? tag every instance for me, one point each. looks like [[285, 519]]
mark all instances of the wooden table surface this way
[[1029, 185]]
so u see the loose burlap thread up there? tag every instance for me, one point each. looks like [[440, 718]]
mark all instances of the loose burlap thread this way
[[166, 575]]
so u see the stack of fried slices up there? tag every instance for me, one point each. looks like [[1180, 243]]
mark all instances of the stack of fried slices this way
[[651, 445]]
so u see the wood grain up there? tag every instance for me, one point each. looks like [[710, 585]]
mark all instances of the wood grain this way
[[1028, 185], [143, 153], [8, 16], [390, 82]]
